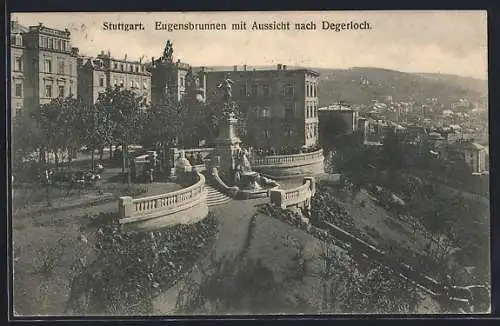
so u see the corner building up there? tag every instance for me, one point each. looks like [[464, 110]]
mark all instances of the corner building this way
[[101, 72], [280, 106], [169, 80], [17, 65], [50, 65]]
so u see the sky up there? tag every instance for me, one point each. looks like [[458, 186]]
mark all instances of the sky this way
[[448, 42]]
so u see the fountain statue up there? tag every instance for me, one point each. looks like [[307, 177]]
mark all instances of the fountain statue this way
[[227, 94], [234, 163]]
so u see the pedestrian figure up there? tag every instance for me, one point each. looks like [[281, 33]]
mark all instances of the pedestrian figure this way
[[46, 181]]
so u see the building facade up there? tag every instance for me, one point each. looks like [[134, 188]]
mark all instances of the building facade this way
[[50, 65], [97, 74], [338, 119], [17, 65], [170, 80], [473, 154], [280, 106]]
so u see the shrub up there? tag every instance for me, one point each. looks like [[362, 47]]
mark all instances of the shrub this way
[[133, 266]]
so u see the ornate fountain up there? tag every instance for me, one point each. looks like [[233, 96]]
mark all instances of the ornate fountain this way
[[230, 162]]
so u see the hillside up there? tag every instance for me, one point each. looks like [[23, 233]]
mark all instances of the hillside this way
[[361, 85]]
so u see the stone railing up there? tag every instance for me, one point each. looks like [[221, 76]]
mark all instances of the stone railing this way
[[296, 197], [165, 205], [288, 160], [290, 166]]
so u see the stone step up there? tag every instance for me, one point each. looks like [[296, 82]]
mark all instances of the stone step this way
[[215, 197], [218, 202]]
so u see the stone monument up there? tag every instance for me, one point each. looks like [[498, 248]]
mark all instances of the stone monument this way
[[227, 144]]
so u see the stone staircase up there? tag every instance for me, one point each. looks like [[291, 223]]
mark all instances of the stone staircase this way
[[215, 197]]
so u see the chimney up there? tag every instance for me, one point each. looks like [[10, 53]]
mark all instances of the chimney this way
[[235, 68], [279, 66], [245, 67]]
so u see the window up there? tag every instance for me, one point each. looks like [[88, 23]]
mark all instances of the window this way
[[19, 64], [121, 67], [136, 68], [307, 90], [19, 89], [132, 84], [314, 90], [50, 44], [61, 90], [289, 132], [60, 67], [182, 81], [70, 90], [243, 90], [60, 45], [122, 83], [266, 112], [48, 90], [265, 90], [266, 133], [115, 65], [43, 41], [289, 110], [115, 82], [289, 90], [101, 82], [18, 40], [255, 90], [131, 68], [48, 65]]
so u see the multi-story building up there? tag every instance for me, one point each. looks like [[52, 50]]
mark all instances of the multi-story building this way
[[170, 79], [473, 154], [337, 120], [280, 106], [50, 69], [17, 65], [101, 72]]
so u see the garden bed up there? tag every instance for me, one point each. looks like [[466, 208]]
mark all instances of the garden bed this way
[[132, 267]]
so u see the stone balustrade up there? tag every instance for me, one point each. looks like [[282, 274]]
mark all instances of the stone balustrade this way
[[174, 207], [287, 160], [290, 166], [296, 197]]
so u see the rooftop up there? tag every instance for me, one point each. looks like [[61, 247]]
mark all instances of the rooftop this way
[[336, 107], [467, 145], [248, 68]]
